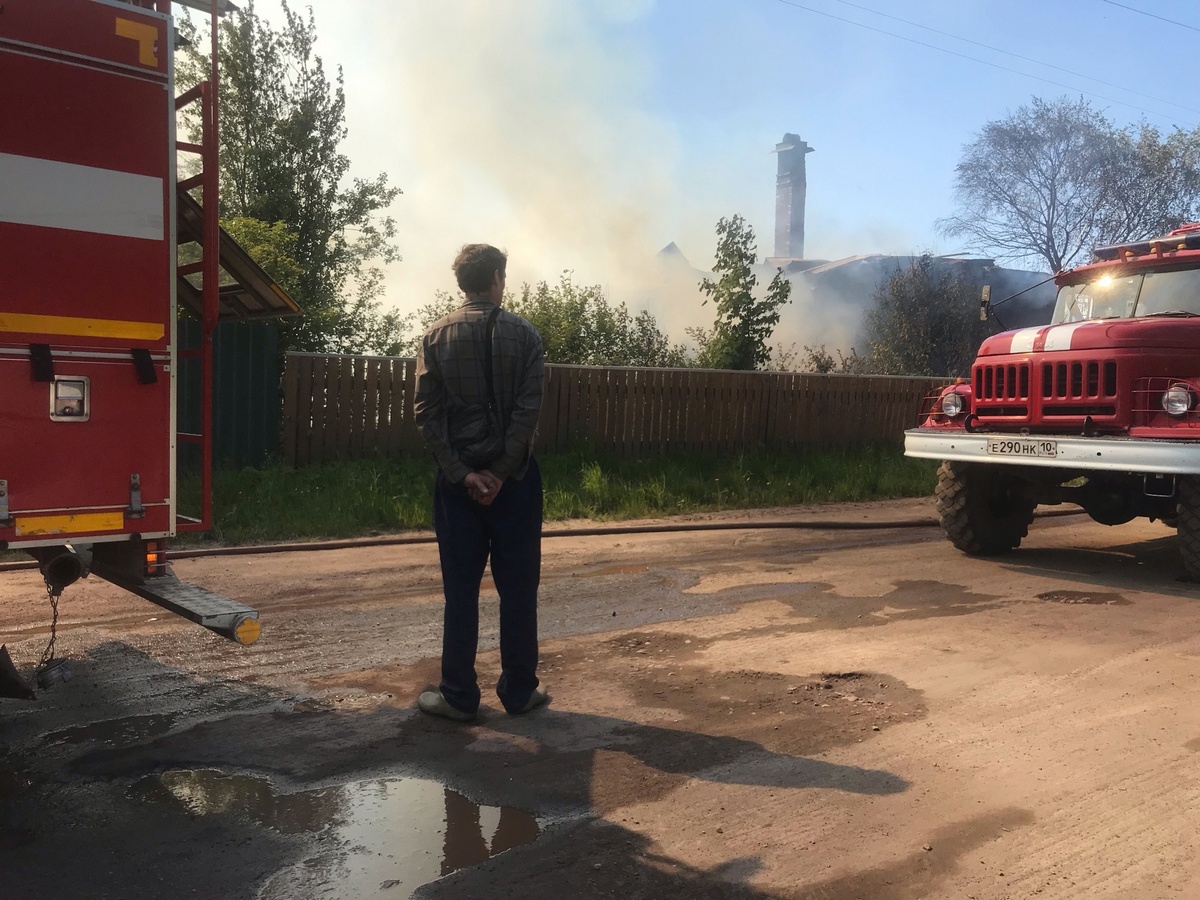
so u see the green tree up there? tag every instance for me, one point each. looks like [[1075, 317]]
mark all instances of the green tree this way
[[925, 322], [744, 323], [272, 246], [817, 358], [579, 326], [282, 124], [1056, 178]]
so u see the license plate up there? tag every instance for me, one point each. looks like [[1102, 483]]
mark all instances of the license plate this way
[[1022, 447]]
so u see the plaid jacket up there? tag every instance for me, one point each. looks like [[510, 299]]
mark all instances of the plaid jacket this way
[[450, 370]]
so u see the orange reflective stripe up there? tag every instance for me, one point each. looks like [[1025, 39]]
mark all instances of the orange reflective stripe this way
[[105, 328], [69, 524]]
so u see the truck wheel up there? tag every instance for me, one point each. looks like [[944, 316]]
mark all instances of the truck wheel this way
[[986, 511], [1189, 525]]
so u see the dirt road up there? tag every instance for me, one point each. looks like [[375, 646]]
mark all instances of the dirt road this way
[[744, 714]]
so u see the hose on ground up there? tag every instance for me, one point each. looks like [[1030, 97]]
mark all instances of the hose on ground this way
[[590, 531]]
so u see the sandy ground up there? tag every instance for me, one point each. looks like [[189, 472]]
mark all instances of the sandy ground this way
[[741, 714]]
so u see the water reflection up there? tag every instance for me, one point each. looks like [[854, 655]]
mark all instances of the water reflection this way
[[372, 838]]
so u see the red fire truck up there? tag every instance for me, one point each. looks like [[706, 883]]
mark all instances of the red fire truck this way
[[93, 216], [1100, 408]]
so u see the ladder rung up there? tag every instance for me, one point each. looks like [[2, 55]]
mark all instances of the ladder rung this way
[[188, 183], [190, 148], [190, 438], [188, 96], [190, 268]]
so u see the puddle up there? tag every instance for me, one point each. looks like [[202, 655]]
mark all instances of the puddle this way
[[372, 838], [1094, 598], [118, 732]]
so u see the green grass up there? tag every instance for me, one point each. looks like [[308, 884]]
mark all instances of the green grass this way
[[365, 498]]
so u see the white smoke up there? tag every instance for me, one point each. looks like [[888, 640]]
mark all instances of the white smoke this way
[[527, 124]]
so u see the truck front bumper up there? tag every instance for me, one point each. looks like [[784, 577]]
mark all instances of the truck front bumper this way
[[1110, 454]]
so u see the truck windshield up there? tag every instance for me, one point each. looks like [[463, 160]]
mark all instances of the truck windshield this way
[[1147, 294]]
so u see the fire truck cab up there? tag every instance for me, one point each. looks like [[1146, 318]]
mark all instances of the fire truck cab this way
[[1100, 408], [97, 195]]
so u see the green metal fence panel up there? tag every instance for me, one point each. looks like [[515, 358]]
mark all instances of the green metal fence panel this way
[[247, 403]]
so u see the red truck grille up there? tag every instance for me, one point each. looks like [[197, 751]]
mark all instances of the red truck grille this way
[[1079, 388], [1002, 389], [1064, 390]]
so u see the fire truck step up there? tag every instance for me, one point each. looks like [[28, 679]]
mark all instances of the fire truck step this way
[[213, 611]]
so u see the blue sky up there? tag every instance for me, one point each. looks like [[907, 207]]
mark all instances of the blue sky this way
[[587, 134]]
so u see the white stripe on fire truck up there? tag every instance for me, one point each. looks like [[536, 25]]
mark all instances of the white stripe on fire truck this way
[[80, 198], [1059, 337], [1022, 341]]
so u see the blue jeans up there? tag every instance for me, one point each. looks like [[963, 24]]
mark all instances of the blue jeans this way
[[510, 532]]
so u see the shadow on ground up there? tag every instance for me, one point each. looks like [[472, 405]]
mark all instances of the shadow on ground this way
[[74, 821]]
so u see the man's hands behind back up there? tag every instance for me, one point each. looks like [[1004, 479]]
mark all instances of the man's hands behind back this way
[[483, 487]]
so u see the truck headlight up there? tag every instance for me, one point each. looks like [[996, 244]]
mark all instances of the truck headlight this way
[[953, 404], [1177, 400]]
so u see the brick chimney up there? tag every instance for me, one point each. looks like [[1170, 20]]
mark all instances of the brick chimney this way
[[791, 187]]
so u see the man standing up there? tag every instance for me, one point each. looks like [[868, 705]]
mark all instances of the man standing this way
[[479, 391]]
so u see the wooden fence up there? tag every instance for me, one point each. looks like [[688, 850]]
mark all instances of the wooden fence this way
[[356, 407]]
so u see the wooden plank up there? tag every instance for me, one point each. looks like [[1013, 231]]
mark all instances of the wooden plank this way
[[687, 413], [624, 411], [757, 432], [615, 407], [802, 428], [637, 411], [697, 412], [772, 409], [595, 410], [287, 424], [571, 406], [384, 444], [679, 413], [548, 415], [616, 410], [722, 404], [411, 436], [320, 412], [740, 396], [562, 432], [404, 384], [358, 409], [709, 418], [333, 400], [666, 411], [345, 404], [789, 411], [606, 389], [652, 396], [304, 405], [370, 412]]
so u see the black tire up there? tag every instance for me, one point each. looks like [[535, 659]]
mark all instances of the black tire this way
[[1189, 525], [984, 510]]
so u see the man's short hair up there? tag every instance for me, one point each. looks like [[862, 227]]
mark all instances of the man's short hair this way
[[476, 266]]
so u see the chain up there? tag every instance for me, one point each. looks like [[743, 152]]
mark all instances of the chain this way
[[48, 653]]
